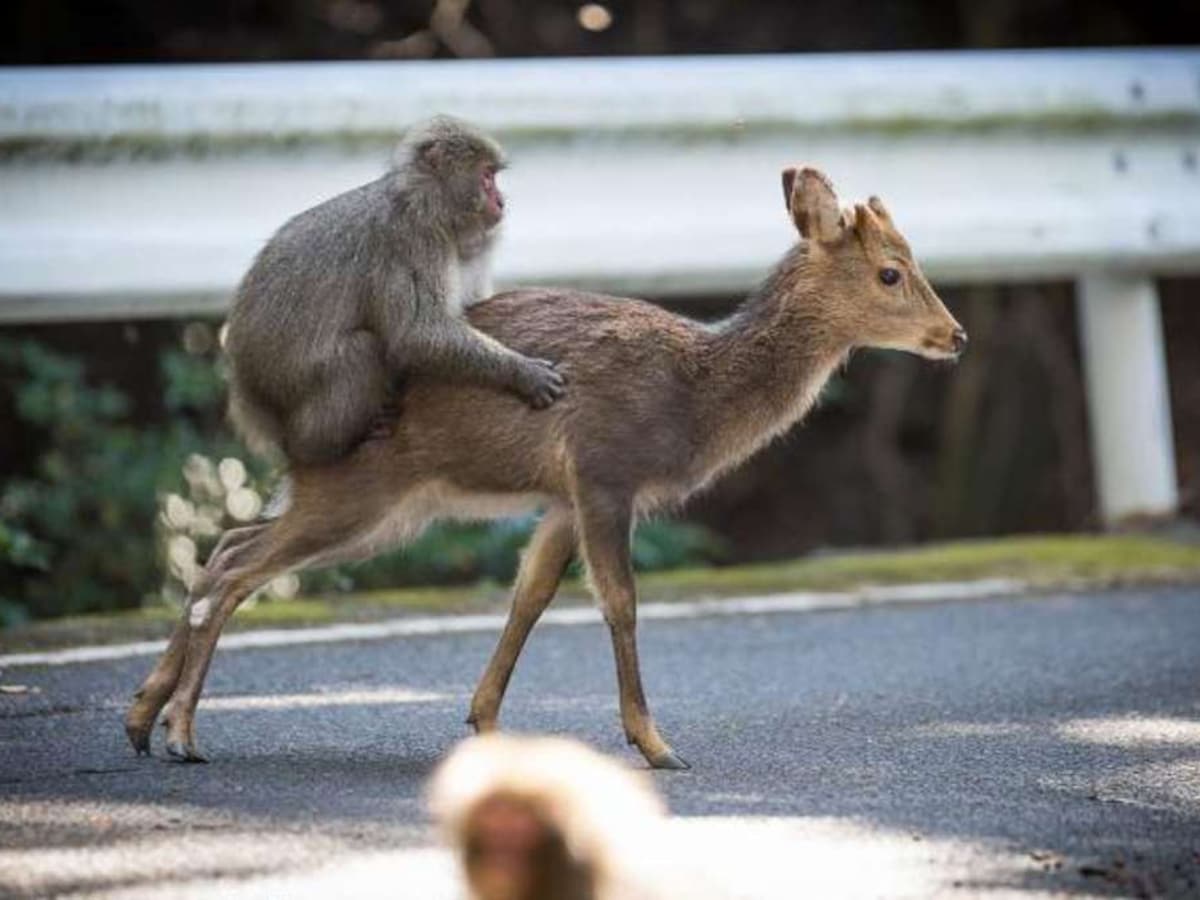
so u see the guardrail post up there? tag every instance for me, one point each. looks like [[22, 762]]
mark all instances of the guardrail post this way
[[1128, 405]]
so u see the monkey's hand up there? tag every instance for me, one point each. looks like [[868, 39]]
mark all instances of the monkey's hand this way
[[540, 383]]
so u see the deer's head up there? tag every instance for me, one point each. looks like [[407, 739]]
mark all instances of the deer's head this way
[[870, 285]]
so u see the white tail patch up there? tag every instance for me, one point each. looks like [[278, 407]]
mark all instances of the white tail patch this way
[[281, 500], [198, 614]]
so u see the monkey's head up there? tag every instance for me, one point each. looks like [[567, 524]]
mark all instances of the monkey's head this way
[[460, 163], [541, 818]]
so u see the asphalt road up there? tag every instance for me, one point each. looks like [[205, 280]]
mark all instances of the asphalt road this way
[[1007, 747]]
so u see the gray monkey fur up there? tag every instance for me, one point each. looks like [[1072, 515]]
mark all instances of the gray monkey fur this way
[[352, 294]]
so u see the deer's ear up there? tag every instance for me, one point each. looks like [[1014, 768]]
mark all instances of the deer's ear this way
[[813, 204], [789, 179]]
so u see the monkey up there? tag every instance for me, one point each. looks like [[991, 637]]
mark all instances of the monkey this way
[[353, 295], [534, 818]]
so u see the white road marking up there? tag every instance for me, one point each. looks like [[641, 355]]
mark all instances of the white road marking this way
[[807, 601], [367, 697]]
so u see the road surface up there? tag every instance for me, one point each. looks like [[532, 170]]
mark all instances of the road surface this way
[[1020, 746]]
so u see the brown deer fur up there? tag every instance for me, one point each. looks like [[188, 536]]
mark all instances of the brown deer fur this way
[[658, 406]]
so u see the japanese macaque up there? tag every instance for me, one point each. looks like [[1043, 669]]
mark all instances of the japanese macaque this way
[[542, 818], [354, 294]]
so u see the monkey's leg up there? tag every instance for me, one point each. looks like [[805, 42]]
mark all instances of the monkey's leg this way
[[341, 405], [542, 568], [154, 692], [605, 525]]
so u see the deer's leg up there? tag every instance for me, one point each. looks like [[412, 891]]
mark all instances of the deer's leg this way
[[605, 525], [154, 692], [542, 568], [231, 541], [287, 544]]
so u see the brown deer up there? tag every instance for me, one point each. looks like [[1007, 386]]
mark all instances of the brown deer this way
[[658, 406]]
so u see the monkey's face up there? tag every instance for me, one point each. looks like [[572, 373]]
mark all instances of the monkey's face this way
[[510, 851], [492, 201]]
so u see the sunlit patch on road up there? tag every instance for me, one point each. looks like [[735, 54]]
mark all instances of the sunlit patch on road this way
[[1128, 731]]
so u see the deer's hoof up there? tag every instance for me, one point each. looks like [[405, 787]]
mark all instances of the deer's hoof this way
[[670, 760], [178, 751], [138, 732], [481, 725], [139, 737]]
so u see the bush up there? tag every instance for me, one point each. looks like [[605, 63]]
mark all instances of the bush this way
[[80, 524], [114, 512]]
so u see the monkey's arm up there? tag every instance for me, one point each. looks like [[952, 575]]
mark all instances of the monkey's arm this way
[[458, 352], [424, 336]]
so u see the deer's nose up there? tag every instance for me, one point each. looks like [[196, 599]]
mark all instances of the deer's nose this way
[[960, 340]]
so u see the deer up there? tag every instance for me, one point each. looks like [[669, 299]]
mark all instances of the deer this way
[[658, 406]]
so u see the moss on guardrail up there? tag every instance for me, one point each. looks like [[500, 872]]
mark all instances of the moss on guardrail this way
[[151, 145]]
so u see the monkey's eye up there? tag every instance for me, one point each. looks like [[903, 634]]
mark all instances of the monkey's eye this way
[[889, 276]]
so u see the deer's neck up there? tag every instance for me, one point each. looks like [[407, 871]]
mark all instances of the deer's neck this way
[[766, 364]]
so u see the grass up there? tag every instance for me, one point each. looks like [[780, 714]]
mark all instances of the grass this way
[[1041, 562]]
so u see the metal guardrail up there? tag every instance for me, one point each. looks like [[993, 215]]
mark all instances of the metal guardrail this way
[[144, 191]]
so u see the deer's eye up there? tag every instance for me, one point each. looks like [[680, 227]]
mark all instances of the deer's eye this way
[[889, 276]]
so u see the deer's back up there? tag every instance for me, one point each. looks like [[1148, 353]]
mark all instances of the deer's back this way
[[631, 368]]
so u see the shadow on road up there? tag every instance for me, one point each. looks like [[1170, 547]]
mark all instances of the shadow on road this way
[[1058, 738]]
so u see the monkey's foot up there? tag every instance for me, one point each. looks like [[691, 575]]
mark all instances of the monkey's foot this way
[[668, 759], [384, 424], [381, 431], [185, 752]]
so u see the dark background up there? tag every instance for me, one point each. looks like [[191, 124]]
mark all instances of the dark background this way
[[101, 31]]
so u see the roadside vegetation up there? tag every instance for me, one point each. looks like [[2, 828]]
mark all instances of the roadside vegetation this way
[[1039, 564]]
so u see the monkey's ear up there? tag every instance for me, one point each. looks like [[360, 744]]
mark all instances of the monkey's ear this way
[[813, 204], [431, 154]]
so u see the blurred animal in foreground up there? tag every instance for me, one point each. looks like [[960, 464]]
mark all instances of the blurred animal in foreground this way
[[660, 405], [543, 819]]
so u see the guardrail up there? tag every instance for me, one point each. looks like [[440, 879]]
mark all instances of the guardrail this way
[[145, 191]]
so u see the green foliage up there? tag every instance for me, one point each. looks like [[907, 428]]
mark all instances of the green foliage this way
[[80, 525], [114, 512], [457, 552]]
